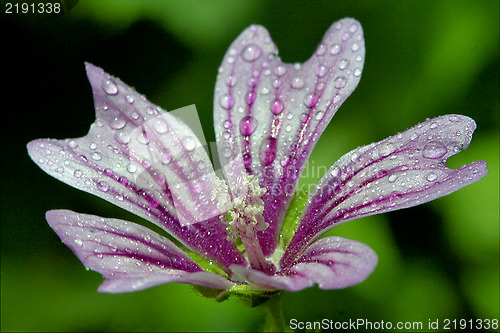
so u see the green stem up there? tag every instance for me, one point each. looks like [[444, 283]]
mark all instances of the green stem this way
[[275, 321]]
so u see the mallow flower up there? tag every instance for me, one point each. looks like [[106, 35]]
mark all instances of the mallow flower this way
[[244, 229]]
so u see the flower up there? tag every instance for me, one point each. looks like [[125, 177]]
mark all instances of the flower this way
[[249, 233]]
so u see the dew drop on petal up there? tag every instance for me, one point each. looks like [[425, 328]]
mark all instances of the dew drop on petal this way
[[189, 143], [227, 124], [321, 50], [77, 174], [277, 106], [226, 101], [72, 144], [392, 178], [334, 49], [386, 149], [343, 64], [79, 242], [280, 71], [320, 71], [102, 186], [267, 151], [310, 100], [340, 82], [298, 83], [248, 125], [251, 53], [117, 123], [109, 86], [431, 176], [96, 156], [160, 126], [434, 150]]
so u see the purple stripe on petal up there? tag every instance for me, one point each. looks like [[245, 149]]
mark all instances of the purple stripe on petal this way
[[331, 262], [130, 256], [401, 171], [335, 263], [273, 113], [136, 156]]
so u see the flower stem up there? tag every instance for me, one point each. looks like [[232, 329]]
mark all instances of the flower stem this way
[[275, 321]]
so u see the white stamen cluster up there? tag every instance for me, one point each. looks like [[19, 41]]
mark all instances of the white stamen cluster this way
[[246, 207]]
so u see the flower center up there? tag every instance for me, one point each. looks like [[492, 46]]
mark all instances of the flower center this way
[[244, 216]]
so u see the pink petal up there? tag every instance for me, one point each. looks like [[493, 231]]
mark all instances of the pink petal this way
[[268, 115], [331, 262], [401, 171], [130, 256], [144, 160]]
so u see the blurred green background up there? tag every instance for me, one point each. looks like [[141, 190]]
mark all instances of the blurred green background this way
[[424, 58]]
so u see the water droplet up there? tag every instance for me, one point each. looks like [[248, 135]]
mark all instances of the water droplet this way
[[251, 53], [288, 128], [280, 71], [122, 137], [72, 144], [320, 71], [142, 138], [319, 115], [96, 156], [357, 72], [386, 149], [434, 150], [109, 86], [79, 242], [353, 28], [310, 100], [248, 125], [226, 101], [340, 82], [277, 106], [231, 81], [334, 49], [267, 151], [102, 186], [434, 125], [264, 91], [431, 176], [165, 157], [132, 168], [77, 174], [227, 124], [117, 123], [129, 99], [298, 83], [335, 172], [393, 178], [60, 170], [343, 64], [250, 98], [321, 50], [160, 126], [189, 143], [355, 47], [93, 145]]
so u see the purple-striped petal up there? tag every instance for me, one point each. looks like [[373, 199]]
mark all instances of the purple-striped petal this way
[[401, 171], [331, 262], [130, 256], [144, 160], [268, 115]]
